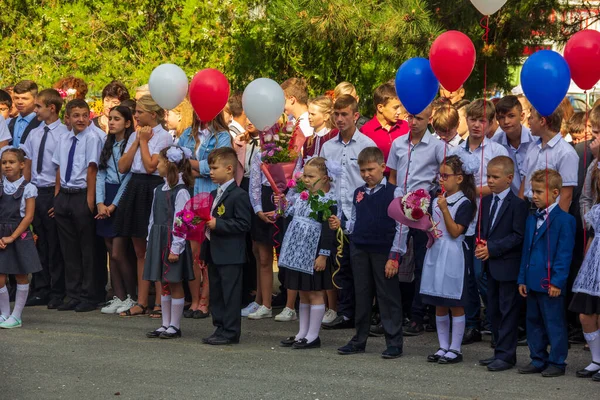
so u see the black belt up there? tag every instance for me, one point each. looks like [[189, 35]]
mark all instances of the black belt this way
[[47, 189], [72, 191]]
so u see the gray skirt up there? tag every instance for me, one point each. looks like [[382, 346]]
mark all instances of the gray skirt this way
[[157, 267], [20, 257]]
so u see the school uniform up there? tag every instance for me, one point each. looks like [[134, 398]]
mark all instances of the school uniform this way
[[5, 135], [39, 147], [518, 155], [382, 137], [549, 230], [225, 253], [74, 219], [503, 217], [454, 142], [21, 126]]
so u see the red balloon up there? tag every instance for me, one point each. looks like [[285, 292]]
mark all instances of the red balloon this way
[[583, 56], [452, 58], [209, 93]]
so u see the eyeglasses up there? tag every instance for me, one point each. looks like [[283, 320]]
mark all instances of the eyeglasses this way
[[444, 177]]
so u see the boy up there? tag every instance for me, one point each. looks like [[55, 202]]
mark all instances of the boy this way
[[386, 125], [5, 104], [24, 99], [49, 284], [376, 244], [76, 157], [503, 217], [414, 163], [445, 123], [238, 123], [550, 151], [225, 249], [296, 103], [515, 137], [344, 149], [547, 252], [348, 88]]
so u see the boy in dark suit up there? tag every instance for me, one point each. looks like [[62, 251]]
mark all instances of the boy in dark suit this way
[[225, 248], [503, 218], [547, 253]]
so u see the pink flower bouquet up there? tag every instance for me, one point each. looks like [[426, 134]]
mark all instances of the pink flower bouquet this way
[[190, 222], [411, 210]]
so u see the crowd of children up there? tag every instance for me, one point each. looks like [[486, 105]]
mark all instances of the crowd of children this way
[[514, 208]]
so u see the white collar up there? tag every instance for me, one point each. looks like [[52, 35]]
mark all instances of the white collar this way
[[225, 185], [166, 186], [14, 185], [238, 126], [502, 195]]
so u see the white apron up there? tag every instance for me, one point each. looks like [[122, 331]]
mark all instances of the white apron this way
[[300, 245]]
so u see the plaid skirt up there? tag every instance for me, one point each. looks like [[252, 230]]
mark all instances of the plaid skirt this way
[[135, 206]]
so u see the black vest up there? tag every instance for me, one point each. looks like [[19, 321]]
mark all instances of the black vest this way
[[34, 123], [374, 229]]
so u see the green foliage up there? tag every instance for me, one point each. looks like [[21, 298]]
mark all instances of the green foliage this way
[[326, 42]]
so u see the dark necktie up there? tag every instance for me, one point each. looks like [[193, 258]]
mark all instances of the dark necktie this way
[[540, 214], [70, 160], [493, 212], [40, 159]]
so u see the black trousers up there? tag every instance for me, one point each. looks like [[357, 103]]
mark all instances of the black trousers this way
[[226, 299], [50, 281], [504, 307], [368, 270], [419, 237], [77, 235], [344, 279]]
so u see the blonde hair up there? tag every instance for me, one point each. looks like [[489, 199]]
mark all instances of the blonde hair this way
[[344, 88], [445, 118], [548, 176], [296, 87], [325, 105], [186, 112], [147, 103], [143, 89]]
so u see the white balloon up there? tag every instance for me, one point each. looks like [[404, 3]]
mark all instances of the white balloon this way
[[263, 102], [168, 85], [488, 7]]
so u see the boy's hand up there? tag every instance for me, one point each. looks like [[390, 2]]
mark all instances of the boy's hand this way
[[267, 217], [173, 257], [553, 291], [523, 290], [391, 268], [334, 223], [211, 224], [482, 252], [442, 203], [320, 263]]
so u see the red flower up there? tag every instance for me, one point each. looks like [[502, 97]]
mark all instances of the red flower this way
[[417, 213], [360, 196]]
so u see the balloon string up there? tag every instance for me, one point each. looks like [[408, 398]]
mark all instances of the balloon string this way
[[340, 253], [585, 158], [546, 281], [485, 24]]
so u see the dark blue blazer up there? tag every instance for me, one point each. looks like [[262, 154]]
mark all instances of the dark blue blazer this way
[[534, 262], [505, 237]]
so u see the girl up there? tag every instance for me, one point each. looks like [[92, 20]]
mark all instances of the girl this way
[[212, 135], [179, 123], [109, 189], [169, 258], [305, 232], [446, 262], [141, 158], [18, 255]]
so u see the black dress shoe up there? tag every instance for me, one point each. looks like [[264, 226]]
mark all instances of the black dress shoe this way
[[199, 314], [376, 330], [487, 361], [168, 335], [156, 333], [84, 306], [288, 342], [596, 377], [207, 339], [472, 335], [339, 323], [499, 365], [350, 349], [220, 341], [189, 313], [434, 357], [303, 344], [54, 303], [493, 343], [414, 329], [552, 372], [450, 360], [530, 369], [68, 306], [36, 301], [584, 373], [391, 352]]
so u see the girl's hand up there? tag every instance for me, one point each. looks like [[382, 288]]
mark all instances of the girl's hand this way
[[267, 217], [334, 223], [391, 268], [320, 263], [5, 241], [102, 211], [145, 134], [111, 209], [173, 257], [442, 203]]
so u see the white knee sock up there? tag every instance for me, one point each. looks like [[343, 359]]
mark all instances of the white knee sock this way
[[593, 340], [304, 320], [177, 306], [165, 305], [316, 318], [20, 300], [443, 332], [458, 331], [4, 302]]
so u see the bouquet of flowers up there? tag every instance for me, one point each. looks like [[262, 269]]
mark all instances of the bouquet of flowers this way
[[412, 210], [190, 222], [320, 210]]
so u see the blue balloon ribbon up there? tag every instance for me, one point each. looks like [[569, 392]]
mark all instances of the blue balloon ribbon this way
[[416, 85]]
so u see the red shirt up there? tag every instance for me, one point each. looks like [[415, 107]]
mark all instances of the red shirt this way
[[382, 138]]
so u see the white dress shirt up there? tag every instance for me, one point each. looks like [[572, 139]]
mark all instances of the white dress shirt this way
[[500, 196], [518, 155], [87, 152], [11, 187], [101, 134], [540, 222], [235, 127], [4, 132], [31, 147], [159, 140]]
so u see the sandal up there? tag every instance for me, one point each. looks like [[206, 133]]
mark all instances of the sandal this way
[[129, 313], [157, 312]]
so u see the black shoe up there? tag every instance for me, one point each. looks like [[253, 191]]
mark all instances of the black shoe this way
[[530, 369], [391, 352], [156, 333], [406, 323], [499, 365], [376, 330], [36, 301], [584, 373], [472, 335], [493, 343], [288, 342], [487, 361], [430, 327], [449, 360], [220, 341], [189, 313], [208, 339], [84, 306], [596, 377], [339, 323], [68, 306], [168, 335], [414, 329], [434, 357], [199, 314], [552, 372], [303, 344], [350, 349], [54, 303]]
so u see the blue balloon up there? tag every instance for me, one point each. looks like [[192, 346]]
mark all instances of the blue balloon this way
[[545, 79], [416, 85]]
